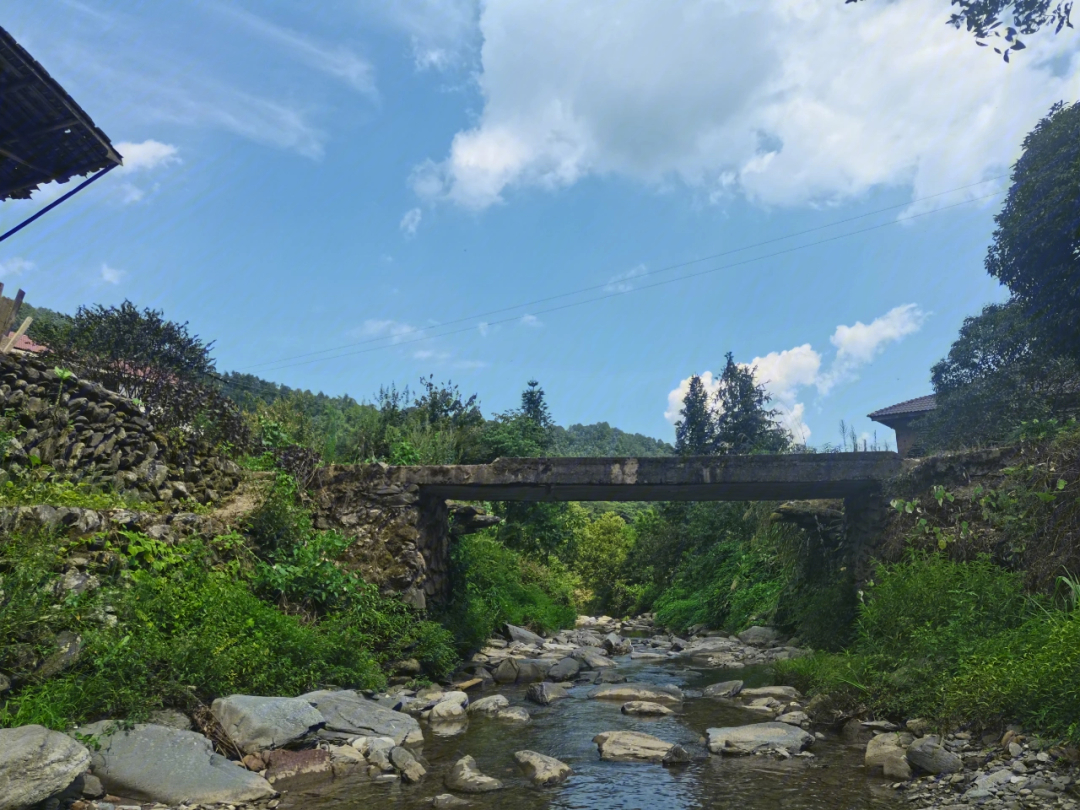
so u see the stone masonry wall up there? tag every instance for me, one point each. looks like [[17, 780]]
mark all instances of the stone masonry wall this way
[[85, 432], [401, 538]]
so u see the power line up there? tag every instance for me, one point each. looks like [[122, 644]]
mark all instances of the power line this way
[[617, 293], [607, 284]]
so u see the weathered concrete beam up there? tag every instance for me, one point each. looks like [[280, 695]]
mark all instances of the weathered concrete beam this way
[[696, 478]]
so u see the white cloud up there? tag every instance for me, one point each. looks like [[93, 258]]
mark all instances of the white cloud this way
[[110, 275], [531, 321], [395, 330], [623, 282], [443, 33], [146, 156], [786, 374], [860, 343], [785, 102], [411, 221], [483, 327], [430, 354], [332, 60], [15, 266]]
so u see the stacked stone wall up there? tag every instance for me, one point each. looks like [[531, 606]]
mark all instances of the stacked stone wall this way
[[84, 432]]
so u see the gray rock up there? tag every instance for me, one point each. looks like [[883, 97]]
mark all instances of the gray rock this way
[[171, 718], [624, 692], [774, 692], [677, 755], [506, 671], [590, 658], [514, 715], [896, 767], [447, 711], [349, 715], [489, 705], [5, 683], [929, 755], [617, 645], [256, 723], [758, 738], [631, 746], [92, 787], [68, 648], [444, 800], [159, 764], [36, 763], [522, 635], [645, 707], [725, 689], [405, 762], [759, 636], [796, 718], [545, 693], [465, 777], [542, 770], [884, 746], [566, 670]]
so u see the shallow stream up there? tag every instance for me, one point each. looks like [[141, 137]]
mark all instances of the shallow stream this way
[[833, 778]]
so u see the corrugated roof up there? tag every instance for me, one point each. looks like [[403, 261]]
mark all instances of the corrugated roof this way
[[44, 134], [25, 344], [911, 406]]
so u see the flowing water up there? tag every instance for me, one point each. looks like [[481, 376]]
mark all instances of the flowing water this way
[[833, 778]]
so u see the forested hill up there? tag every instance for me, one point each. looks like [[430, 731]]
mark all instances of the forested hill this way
[[602, 439]]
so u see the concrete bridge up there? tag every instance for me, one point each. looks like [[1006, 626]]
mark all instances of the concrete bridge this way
[[399, 515]]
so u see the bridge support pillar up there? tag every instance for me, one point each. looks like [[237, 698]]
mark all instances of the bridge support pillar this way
[[865, 515]]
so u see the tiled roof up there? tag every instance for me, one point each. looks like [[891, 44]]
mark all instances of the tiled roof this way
[[44, 134], [25, 344], [911, 406]]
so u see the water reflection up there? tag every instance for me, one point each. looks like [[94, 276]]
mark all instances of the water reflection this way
[[831, 779]]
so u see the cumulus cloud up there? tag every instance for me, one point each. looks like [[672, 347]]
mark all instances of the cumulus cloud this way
[[787, 103], [860, 343], [110, 275], [15, 266], [531, 321], [411, 221], [787, 374], [146, 156]]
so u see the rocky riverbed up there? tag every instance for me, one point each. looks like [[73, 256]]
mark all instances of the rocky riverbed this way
[[610, 714]]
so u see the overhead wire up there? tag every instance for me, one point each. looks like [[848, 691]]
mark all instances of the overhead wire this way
[[395, 338]]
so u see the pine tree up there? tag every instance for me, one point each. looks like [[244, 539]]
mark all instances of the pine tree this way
[[745, 424], [533, 405], [695, 433]]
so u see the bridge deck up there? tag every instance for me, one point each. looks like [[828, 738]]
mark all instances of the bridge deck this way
[[696, 478]]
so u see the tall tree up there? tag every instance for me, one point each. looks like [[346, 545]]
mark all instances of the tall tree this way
[[1036, 248], [534, 406], [695, 433], [745, 423], [1001, 21]]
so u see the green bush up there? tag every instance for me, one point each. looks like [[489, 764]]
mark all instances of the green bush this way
[[955, 642], [494, 585]]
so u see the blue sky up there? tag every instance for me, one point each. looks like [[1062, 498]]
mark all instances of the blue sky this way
[[307, 176]]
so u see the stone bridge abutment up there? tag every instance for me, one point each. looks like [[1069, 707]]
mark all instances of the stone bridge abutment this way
[[399, 516]]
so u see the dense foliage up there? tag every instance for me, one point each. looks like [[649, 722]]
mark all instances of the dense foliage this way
[[1036, 248]]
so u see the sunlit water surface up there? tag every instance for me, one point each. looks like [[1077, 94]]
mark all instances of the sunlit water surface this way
[[832, 779]]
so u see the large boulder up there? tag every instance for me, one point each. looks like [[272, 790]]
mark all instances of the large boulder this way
[[349, 715], [542, 770], [623, 692], [257, 723], [632, 746], [774, 692], [545, 693], [566, 670], [158, 764], [644, 707], [617, 645], [725, 689], [759, 636], [591, 658], [929, 755], [522, 635], [36, 763], [758, 738], [884, 746], [513, 670], [465, 777], [489, 706]]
